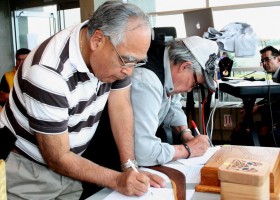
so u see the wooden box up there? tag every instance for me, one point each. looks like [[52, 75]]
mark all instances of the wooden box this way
[[244, 179], [3, 191], [209, 173]]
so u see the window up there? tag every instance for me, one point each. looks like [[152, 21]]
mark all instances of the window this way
[[34, 25], [261, 15]]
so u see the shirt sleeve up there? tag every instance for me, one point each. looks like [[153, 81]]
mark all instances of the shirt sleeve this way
[[120, 84], [146, 97], [176, 115]]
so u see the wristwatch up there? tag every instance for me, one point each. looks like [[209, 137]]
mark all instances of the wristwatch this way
[[127, 165]]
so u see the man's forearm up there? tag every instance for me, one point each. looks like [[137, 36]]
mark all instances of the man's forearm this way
[[121, 118], [55, 151], [81, 169]]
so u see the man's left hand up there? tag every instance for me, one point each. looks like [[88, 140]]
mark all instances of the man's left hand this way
[[155, 180]]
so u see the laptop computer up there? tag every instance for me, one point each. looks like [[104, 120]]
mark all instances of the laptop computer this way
[[198, 21]]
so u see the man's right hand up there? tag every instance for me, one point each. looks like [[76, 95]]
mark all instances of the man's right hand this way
[[132, 183], [198, 145]]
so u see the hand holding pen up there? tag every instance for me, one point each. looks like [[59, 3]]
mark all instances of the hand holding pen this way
[[198, 133], [136, 170]]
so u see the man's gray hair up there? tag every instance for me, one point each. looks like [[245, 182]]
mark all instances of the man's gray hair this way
[[179, 53], [113, 17]]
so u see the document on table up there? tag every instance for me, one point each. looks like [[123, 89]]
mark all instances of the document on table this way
[[201, 160], [156, 194], [153, 194], [191, 172]]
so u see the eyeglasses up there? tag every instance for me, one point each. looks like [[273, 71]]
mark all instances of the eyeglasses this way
[[266, 59], [126, 65]]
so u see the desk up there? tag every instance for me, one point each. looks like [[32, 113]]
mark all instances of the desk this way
[[248, 91]]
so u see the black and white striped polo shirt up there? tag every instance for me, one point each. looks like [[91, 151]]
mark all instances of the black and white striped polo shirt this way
[[55, 92]]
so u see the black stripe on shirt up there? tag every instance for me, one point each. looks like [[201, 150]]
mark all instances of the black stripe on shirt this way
[[39, 52], [104, 88], [83, 124], [76, 78], [80, 149], [16, 126], [64, 56], [44, 96]]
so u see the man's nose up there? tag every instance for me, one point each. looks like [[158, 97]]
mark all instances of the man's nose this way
[[127, 71]]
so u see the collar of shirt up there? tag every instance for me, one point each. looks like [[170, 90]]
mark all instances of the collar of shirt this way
[[168, 83], [275, 76], [75, 56]]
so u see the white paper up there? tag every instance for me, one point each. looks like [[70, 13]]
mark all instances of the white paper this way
[[201, 160], [179, 167], [164, 176], [191, 172], [190, 194], [156, 194]]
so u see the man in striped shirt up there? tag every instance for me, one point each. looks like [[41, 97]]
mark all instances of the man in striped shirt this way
[[58, 97]]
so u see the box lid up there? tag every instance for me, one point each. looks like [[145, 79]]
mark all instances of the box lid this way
[[244, 171]]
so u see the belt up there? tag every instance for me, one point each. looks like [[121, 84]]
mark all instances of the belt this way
[[15, 151]]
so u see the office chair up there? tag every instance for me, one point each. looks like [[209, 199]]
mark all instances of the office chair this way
[[164, 34]]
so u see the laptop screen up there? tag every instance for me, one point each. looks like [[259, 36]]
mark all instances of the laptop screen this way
[[198, 21]]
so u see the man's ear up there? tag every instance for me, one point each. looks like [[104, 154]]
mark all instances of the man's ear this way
[[185, 65], [97, 40], [278, 57]]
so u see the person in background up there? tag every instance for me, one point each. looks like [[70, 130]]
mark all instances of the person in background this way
[[58, 97], [270, 61], [8, 78], [268, 109]]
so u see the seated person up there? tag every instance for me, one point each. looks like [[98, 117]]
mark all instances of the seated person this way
[[8, 78], [270, 61]]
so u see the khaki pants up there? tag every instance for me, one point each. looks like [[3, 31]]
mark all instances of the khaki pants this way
[[32, 181]]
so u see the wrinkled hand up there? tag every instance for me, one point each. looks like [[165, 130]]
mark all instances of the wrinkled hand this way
[[132, 183], [198, 145], [155, 180]]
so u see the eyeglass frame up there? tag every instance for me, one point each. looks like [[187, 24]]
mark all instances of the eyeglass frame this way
[[267, 59], [125, 65]]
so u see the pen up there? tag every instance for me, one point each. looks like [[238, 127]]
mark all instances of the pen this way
[[135, 169], [195, 127], [198, 133]]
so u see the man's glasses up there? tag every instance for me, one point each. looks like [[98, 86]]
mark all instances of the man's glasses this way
[[126, 65], [266, 59]]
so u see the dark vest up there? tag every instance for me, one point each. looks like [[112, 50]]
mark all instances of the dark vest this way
[[155, 59]]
